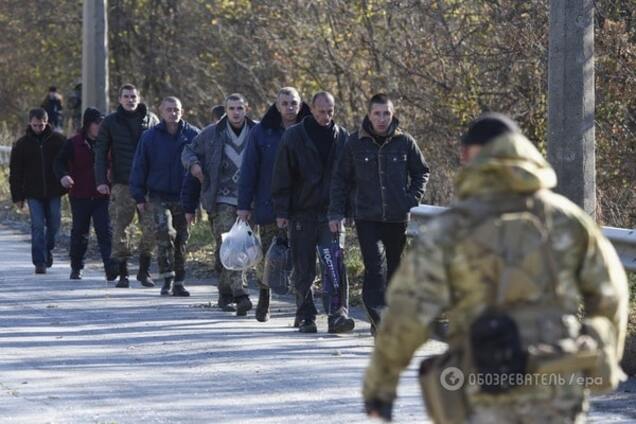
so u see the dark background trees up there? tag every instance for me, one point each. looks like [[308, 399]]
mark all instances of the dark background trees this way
[[443, 61]]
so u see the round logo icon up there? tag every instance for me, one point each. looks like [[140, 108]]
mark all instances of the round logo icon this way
[[452, 378]]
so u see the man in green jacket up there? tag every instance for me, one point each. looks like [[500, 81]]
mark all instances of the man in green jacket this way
[[114, 151]]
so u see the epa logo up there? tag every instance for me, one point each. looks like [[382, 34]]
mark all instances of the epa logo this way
[[452, 378]]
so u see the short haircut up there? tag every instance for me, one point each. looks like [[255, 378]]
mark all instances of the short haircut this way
[[379, 99], [488, 127], [126, 87], [324, 94], [52, 88], [170, 99], [235, 97], [287, 91], [218, 111], [38, 113]]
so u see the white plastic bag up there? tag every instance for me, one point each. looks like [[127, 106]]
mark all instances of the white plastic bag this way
[[240, 247]]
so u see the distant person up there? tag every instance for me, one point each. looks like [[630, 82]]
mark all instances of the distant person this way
[[117, 140], [31, 179], [74, 105], [255, 183], [52, 104], [215, 158], [217, 113], [74, 167], [155, 183]]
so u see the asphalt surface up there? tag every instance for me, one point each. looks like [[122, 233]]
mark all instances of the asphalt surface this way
[[85, 352]]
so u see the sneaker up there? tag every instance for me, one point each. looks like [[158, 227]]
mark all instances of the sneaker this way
[[340, 324], [76, 274], [307, 326], [40, 269], [243, 304], [179, 290], [225, 302], [167, 285]]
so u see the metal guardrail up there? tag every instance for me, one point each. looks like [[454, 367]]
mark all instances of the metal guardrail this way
[[624, 240], [5, 153]]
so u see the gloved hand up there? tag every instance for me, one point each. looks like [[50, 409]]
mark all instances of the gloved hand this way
[[377, 408]]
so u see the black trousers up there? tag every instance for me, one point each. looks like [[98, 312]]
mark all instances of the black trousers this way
[[304, 236], [83, 210], [381, 244]]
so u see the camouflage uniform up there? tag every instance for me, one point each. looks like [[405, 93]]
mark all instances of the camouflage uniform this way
[[172, 236], [458, 265], [267, 234], [230, 282], [122, 210]]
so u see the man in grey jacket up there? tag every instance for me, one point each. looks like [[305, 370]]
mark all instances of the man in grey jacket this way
[[215, 158], [114, 151]]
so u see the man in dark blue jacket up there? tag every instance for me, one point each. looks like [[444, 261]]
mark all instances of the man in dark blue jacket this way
[[255, 183], [157, 175]]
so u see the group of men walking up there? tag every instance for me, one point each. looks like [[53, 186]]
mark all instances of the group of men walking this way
[[510, 264], [296, 171]]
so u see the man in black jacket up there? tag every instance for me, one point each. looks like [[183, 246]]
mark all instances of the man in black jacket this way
[[300, 193], [383, 168], [31, 178], [117, 140]]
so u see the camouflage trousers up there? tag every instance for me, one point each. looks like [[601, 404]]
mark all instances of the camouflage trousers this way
[[560, 405], [231, 283], [267, 234], [122, 210], [172, 234]]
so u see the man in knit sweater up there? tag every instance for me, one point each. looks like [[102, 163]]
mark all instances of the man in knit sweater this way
[[215, 158]]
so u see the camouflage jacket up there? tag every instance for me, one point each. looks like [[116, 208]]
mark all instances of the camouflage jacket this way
[[454, 268]]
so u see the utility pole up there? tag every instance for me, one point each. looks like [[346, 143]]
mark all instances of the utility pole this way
[[95, 55], [571, 101]]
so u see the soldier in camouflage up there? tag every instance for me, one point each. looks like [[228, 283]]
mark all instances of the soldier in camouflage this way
[[510, 264]]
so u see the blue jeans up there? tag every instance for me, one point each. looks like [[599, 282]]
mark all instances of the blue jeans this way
[[45, 222]]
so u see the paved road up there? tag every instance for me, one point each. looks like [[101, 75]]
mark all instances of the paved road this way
[[84, 352]]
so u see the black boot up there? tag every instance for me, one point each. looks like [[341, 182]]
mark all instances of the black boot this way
[[308, 326], [225, 302], [165, 289], [179, 290], [112, 271], [340, 324], [262, 309], [179, 275], [123, 282], [143, 276], [76, 274], [243, 304]]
